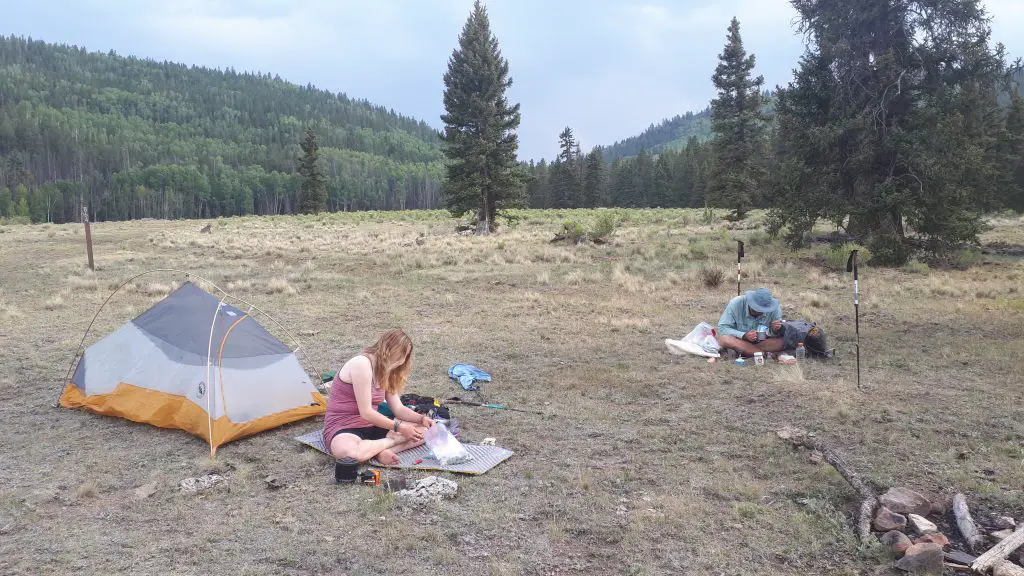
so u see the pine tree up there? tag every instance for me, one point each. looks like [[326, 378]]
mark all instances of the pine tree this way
[[594, 180], [313, 198], [565, 179], [887, 128], [1011, 154], [661, 187], [5, 201], [738, 125], [479, 135]]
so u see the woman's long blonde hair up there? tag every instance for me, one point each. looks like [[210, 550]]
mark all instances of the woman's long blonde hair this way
[[392, 360]]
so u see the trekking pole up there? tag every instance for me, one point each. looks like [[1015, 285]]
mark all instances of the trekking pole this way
[[739, 256], [851, 266], [458, 400]]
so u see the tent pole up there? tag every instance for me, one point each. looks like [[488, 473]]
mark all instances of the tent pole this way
[[209, 380]]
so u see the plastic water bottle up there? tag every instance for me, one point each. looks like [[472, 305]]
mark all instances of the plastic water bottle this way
[[801, 352]]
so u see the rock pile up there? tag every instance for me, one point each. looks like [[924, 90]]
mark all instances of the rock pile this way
[[903, 528], [429, 489]]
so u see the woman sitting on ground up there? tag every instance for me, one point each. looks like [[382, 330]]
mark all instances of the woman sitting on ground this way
[[354, 431]]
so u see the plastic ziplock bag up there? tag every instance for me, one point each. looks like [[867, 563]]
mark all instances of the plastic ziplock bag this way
[[704, 336], [445, 447], [700, 341]]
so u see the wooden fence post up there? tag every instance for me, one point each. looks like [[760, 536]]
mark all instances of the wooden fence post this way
[[88, 236]]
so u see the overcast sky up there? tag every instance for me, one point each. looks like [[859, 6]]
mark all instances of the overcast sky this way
[[606, 68]]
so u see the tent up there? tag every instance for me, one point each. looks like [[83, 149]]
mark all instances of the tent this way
[[194, 363]]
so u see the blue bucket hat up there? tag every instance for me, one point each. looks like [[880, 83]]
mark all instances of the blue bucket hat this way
[[761, 300]]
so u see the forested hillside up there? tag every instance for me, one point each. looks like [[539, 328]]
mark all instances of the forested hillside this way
[[670, 134], [136, 138]]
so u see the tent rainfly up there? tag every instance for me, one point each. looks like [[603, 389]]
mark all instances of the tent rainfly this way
[[194, 363]]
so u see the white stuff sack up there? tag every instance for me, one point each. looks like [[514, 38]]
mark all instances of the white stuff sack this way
[[700, 341]]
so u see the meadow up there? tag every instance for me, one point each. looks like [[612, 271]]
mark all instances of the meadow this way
[[644, 462]]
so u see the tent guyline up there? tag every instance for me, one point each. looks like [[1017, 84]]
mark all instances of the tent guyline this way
[[155, 369]]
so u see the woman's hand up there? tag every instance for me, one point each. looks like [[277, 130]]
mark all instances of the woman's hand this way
[[410, 432], [426, 421]]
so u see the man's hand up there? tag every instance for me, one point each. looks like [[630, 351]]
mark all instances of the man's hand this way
[[776, 326], [751, 336]]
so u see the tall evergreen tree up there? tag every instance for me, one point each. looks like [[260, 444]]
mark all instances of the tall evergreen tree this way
[[738, 125], [887, 128], [5, 201], [594, 180], [565, 177], [1011, 155], [480, 124], [313, 198]]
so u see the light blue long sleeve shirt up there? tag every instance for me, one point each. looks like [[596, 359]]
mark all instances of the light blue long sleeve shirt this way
[[737, 321]]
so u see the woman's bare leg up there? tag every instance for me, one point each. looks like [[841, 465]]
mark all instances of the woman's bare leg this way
[[352, 446]]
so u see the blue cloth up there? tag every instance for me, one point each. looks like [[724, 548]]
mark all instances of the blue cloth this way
[[737, 321], [467, 374]]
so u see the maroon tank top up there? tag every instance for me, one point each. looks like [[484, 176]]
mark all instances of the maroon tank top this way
[[343, 411]]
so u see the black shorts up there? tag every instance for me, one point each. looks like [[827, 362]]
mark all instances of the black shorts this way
[[371, 433]]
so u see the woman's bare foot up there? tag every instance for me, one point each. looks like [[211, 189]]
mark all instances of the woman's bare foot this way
[[387, 457]]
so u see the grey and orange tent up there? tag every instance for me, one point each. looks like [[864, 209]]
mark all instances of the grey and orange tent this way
[[195, 363]]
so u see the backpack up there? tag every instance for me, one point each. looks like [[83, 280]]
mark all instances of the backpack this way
[[425, 404], [796, 331]]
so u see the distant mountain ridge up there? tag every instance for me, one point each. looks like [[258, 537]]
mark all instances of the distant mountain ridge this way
[[134, 137], [670, 134]]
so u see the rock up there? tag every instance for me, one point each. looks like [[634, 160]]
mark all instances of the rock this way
[[201, 483], [941, 505], [429, 489], [886, 520], [922, 559], [816, 457], [272, 483], [936, 538], [905, 501], [1005, 523], [922, 524], [1001, 535], [146, 490], [896, 541]]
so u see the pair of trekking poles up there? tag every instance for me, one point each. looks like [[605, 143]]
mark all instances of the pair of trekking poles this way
[[851, 266]]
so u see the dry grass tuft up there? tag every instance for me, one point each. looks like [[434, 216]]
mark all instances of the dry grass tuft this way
[[87, 281], [280, 286], [7, 309], [89, 489], [626, 280], [57, 301], [155, 289], [791, 374], [211, 465]]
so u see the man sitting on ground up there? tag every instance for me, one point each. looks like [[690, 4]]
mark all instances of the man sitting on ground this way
[[737, 329]]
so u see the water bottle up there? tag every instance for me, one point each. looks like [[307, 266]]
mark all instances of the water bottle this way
[[801, 352]]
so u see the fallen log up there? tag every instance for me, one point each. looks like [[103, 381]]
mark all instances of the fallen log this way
[[974, 537], [995, 558], [869, 502]]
